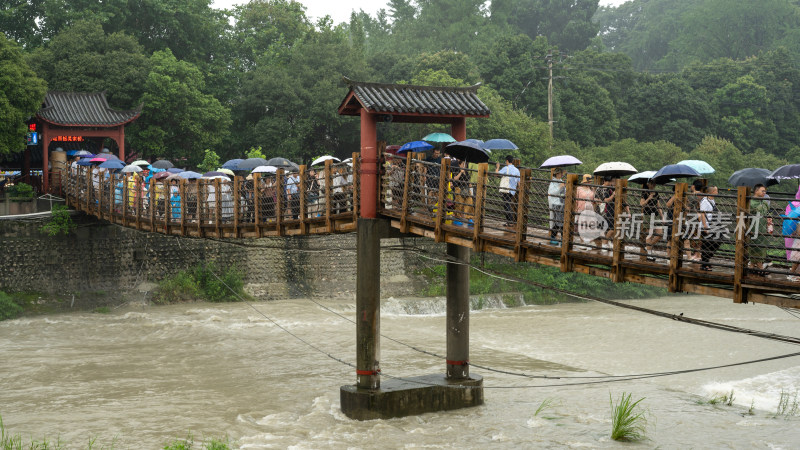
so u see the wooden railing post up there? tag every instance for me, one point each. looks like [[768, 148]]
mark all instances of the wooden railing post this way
[[236, 205], [281, 194], [89, 189], [406, 194], [328, 195], [480, 194], [301, 189], [200, 201], [521, 226], [618, 272], [357, 180], [165, 195], [126, 201], [152, 204], [444, 173], [257, 203], [740, 258], [182, 193], [676, 243], [218, 206], [569, 220]]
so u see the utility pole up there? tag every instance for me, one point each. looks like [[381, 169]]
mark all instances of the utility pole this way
[[550, 94]]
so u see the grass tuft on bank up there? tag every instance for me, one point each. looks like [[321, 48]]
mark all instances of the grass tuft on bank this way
[[628, 420], [9, 308], [202, 282]]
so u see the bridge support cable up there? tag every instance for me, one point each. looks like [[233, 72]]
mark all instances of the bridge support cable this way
[[599, 379], [508, 277]]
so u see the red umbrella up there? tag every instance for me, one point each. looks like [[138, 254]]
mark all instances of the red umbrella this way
[[161, 175]]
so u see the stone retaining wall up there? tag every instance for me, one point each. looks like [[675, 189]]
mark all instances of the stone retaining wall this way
[[99, 256]]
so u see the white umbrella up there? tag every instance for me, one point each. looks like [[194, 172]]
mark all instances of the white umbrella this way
[[265, 169], [322, 159], [616, 168], [131, 169], [642, 177], [140, 162]]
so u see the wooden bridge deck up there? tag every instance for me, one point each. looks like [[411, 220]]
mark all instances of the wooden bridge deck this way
[[478, 213]]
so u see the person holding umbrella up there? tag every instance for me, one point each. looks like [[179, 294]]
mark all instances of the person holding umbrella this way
[[555, 200], [509, 191], [432, 174], [650, 213], [791, 233], [757, 251], [708, 245]]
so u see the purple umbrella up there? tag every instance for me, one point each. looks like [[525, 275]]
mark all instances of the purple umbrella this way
[[560, 161], [175, 170], [214, 174]]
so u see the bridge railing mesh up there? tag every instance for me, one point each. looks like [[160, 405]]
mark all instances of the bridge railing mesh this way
[[545, 209], [459, 195]]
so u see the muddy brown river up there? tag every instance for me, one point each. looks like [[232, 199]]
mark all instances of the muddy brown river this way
[[142, 376]]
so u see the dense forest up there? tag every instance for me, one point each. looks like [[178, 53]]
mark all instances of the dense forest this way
[[649, 82]]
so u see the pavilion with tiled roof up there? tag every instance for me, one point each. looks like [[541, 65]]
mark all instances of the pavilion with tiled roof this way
[[379, 102], [83, 114]]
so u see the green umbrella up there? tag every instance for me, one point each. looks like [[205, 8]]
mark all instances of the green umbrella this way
[[439, 137]]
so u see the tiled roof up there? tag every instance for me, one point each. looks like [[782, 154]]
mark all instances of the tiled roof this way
[[83, 109], [410, 99]]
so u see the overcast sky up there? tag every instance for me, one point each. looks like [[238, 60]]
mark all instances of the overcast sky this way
[[340, 10]]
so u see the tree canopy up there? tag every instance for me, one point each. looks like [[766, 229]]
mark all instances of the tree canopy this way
[[668, 78], [21, 96]]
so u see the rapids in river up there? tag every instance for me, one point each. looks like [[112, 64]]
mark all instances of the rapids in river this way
[[143, 376]]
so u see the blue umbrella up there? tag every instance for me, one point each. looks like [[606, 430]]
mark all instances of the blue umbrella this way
[[477, 141], [415, 146], [500, 144], [189, 175], [674, 171], [85, 162], [701, 167], [175, 170], [232, 164], [469, 151], [439, 137], [112, 164]]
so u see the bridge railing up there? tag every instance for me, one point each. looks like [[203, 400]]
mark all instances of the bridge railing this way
[[533, 215], [260, 204]]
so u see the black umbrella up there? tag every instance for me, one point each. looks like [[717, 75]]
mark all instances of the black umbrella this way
[[469, 151], [251, 163], [282, 163], [751, 177], [162, 164], [786, 172], [674, 171]]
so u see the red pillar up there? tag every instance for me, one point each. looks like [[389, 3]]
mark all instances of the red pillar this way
[[45, 157], [458, 129], [121, 142], [369, 165]]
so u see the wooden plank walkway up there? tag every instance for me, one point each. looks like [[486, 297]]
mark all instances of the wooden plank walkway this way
[[480, 211]]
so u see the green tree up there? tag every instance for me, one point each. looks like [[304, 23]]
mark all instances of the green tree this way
[[732, 29], [266, 30], [178, 119], [83, 58], [255, 152], [565, 23], [18, 21], [742, 106], [531, 136], [587, 114], [21, 96], [210, 161], [667, 108]]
